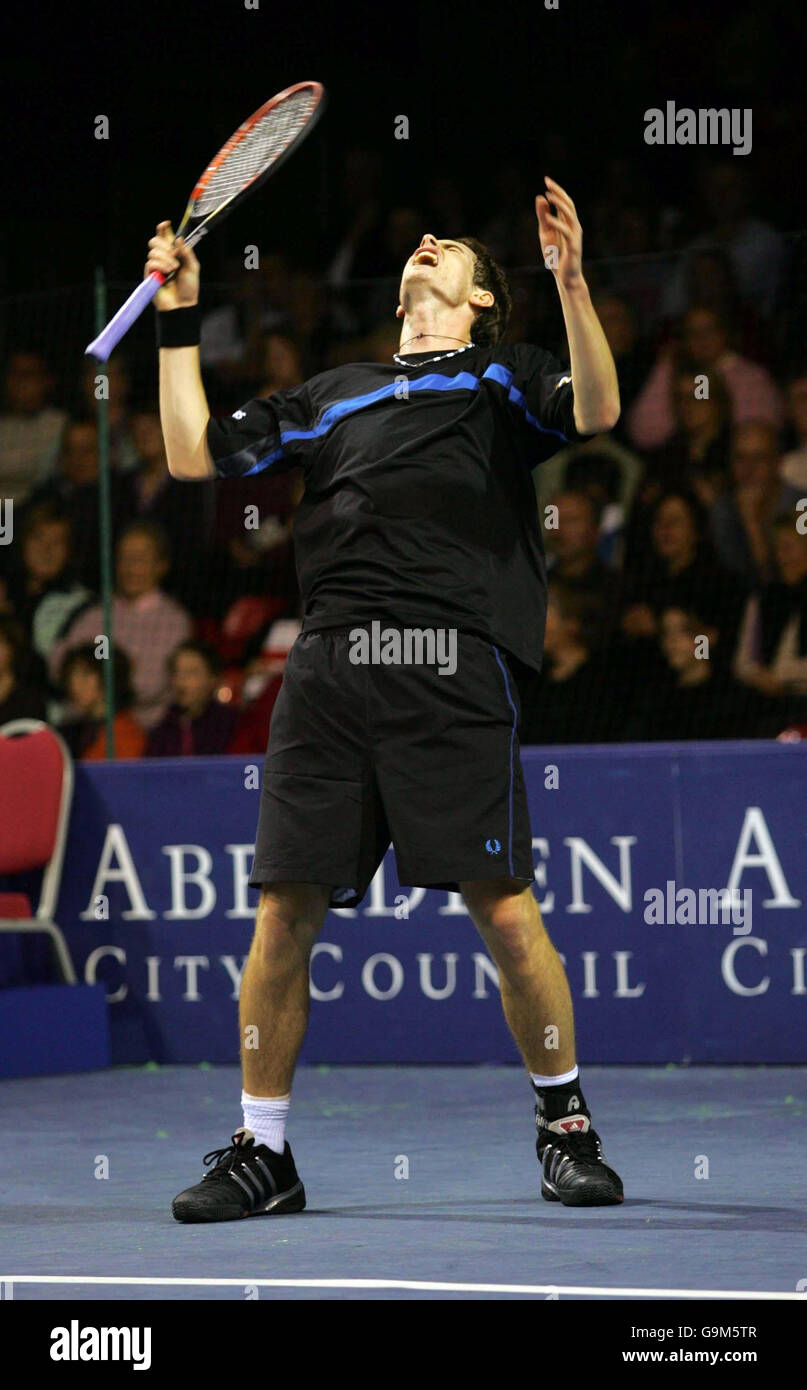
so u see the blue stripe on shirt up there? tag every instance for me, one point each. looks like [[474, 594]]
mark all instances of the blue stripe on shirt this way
[[434, 381]]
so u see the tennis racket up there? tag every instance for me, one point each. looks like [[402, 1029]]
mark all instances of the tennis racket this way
[[255, 151]]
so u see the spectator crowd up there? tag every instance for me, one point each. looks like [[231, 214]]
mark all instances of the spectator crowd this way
[[676, 545]]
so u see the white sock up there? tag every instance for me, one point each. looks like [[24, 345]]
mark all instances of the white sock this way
[[562, 1080], [266, 1116]]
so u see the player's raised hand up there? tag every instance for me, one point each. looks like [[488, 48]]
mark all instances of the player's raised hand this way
[[561, 230], [169, 256]]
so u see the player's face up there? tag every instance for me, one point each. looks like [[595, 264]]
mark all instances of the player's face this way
[[445, 267]]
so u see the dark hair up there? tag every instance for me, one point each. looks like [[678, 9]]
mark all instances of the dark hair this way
[[593, 468], [208, 654], [697, 511], [121, 671], [49, 512], [783, 521], [26, 349], [797, 371], [489, 325], [80, 419], [579, 607]]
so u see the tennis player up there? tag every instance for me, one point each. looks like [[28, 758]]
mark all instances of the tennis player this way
[[418, 516]]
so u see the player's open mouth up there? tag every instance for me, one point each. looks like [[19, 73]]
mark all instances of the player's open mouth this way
[[426, 255]]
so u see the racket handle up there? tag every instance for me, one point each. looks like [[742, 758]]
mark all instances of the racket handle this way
[[110, 336]]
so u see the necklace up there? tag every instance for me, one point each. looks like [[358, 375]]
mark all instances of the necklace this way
[[454, 352], [432, 335]]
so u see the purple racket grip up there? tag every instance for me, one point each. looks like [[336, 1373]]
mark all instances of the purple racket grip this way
[[110, 336]]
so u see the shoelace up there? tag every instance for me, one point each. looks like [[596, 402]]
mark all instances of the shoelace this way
[[583, 1146], [221, 1159]]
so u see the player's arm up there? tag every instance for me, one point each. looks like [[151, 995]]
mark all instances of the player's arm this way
[[184, 411], [596, 387]]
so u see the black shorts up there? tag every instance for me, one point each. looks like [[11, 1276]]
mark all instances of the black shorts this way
[[361, 755]]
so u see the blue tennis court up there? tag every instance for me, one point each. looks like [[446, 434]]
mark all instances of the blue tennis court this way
[[467, 1220]]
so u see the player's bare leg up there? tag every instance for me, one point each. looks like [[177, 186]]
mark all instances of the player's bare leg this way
[[274, 1003], [256, 1174], [535, 992], [538, 1008]]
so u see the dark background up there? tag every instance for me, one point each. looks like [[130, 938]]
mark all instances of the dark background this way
[[564, 91]]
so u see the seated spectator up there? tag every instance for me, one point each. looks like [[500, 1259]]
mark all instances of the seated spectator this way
[[30, 429], [183, 511], [635, 273], [574, 699], [122, 449], [755, 249], [44, 590], [146, 623], [793, 468], [696, 457], [255, 303], [705, 341], [681, 572], [75, 487], [604, 469], [256, 559], [82, 678], [281, 366], [629, 351], [197, 723], [19, 699], [771, 654], [741, 523], [573, 560], [693, 698], [711, 282], [609, 475]]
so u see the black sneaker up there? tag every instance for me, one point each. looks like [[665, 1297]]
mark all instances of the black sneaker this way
[[246, 1179], [573, 1168]]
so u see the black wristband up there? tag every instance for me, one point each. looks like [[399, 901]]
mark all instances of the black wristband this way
[[179, 327]]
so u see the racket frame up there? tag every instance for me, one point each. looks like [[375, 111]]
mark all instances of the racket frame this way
[[102, 346]]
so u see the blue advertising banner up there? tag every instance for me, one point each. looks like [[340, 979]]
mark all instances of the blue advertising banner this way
[[672, 878]]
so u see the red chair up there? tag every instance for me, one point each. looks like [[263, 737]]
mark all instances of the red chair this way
[[243, 620], [36, 791]]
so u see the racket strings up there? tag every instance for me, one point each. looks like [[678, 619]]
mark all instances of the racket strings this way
[[263, 143]]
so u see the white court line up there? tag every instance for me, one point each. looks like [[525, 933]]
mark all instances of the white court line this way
[[421, 1285]]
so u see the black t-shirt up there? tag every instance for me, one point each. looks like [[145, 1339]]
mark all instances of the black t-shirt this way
[[419, 505]]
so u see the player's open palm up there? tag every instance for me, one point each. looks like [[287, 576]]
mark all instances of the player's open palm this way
[[167, 256], [560, 232]]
